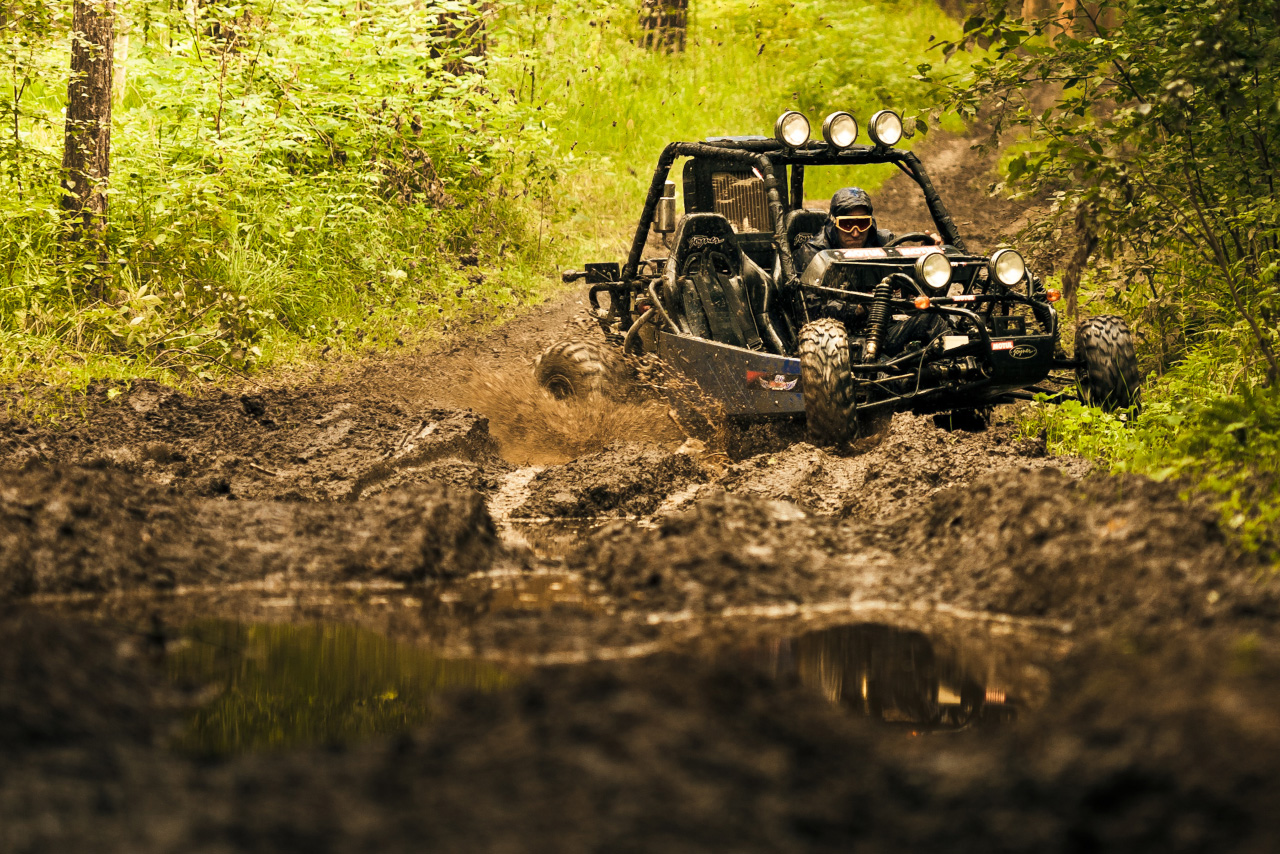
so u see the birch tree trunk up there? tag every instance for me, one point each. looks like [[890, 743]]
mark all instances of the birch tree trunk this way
[[86, 155]]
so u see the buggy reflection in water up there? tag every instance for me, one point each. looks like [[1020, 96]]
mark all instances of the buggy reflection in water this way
[[897, 676]]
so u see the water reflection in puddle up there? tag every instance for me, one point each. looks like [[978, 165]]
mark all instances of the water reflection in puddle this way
[[903, 678], [282, 685]]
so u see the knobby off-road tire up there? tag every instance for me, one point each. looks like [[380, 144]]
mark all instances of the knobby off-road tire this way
[[578, 368], [829, 404], [1109, 377]]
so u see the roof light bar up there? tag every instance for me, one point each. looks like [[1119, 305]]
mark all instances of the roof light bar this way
[[791, 129]]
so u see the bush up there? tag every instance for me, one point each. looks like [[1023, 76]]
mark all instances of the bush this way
[[1156, 155], [613, 104], [283, 174]]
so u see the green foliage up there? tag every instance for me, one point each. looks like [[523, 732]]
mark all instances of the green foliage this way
[[290, 177], [283, 173], [1158, 149], [1153, 128], [612, 104]]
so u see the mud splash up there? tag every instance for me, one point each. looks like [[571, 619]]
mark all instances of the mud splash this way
[[534, 428]]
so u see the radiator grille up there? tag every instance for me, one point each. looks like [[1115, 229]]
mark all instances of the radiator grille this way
[[741, 199]]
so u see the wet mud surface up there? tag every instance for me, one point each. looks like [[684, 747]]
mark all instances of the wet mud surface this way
[[417, 605]]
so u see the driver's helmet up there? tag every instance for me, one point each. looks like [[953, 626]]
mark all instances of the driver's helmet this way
[[844, 202]]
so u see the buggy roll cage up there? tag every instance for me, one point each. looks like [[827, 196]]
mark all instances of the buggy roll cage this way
[[765, 154]]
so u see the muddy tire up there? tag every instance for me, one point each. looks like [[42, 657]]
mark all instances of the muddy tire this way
[[577, 368], [829, 404], [1109, 377]]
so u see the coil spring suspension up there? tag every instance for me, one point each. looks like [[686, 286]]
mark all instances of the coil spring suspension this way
[[875, 319]]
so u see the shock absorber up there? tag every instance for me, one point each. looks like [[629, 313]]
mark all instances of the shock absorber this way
[[876, 318]]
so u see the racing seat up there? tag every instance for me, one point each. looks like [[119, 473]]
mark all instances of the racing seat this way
[[801, 225], [713, 290]]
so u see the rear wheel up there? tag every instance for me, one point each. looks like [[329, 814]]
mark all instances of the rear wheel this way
[[578, 368], [829, 404], [1108, 377]]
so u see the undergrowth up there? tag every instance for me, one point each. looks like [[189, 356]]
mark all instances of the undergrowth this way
[[287, 178], [612, 104], [1156, 159], [293, 179]]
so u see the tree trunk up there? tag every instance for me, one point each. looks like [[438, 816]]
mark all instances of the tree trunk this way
[[86, 157], [664, 23]]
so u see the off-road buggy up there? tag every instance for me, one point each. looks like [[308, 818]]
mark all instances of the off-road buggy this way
[[724, 304]]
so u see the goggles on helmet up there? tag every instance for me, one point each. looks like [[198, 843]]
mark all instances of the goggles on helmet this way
[[853, 224]]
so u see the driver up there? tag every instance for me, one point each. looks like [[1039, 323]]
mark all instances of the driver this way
[[851, 224]]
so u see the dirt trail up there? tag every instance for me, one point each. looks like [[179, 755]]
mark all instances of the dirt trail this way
[[669, 648]]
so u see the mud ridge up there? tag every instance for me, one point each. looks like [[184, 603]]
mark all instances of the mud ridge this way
[[1097, 553], [73, 529], [624, 479]]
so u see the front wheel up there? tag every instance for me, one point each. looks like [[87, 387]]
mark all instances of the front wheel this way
[[829, 404], [1108, 377], [581, 369]]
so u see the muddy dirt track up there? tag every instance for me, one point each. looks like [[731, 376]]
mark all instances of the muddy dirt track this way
[[420, 606]]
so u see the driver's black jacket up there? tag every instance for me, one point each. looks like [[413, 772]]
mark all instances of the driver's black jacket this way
[[826, 239]]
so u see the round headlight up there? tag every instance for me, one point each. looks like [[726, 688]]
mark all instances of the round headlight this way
[[933, 271], [1007, 267], [791, 129], [886, 128], [840, 130]]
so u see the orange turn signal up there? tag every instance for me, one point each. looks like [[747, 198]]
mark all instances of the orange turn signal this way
[[923, 302], [1053, 294]]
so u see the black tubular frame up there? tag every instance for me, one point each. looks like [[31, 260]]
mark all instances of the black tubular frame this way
[[764, 154]]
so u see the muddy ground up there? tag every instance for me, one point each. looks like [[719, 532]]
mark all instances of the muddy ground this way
[[635, 640]]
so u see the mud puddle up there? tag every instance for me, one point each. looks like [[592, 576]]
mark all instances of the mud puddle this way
[[262, 687]]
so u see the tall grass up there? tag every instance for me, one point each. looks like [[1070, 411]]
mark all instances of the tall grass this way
[[294, 178], [612, 105]]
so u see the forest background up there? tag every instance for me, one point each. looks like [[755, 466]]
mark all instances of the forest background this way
[[296, 180]]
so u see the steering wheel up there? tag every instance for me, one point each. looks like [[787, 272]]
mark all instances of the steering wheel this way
[[912, 236]]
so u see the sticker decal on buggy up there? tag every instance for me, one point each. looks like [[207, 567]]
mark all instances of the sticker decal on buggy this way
[[914, 251], [700, 240], [965, 297], [1023, 351], [1001, 345], [772, 381], [855, 254]]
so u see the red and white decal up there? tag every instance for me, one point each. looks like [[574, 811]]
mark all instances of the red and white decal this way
[[965, 297], [1001, 345], [772, 381], [913, 251], [869, 252]]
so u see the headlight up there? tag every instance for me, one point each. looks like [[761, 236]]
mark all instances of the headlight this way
[[1007, 267], [933, 271], [791, 129], [886, 128], [840, 130]]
